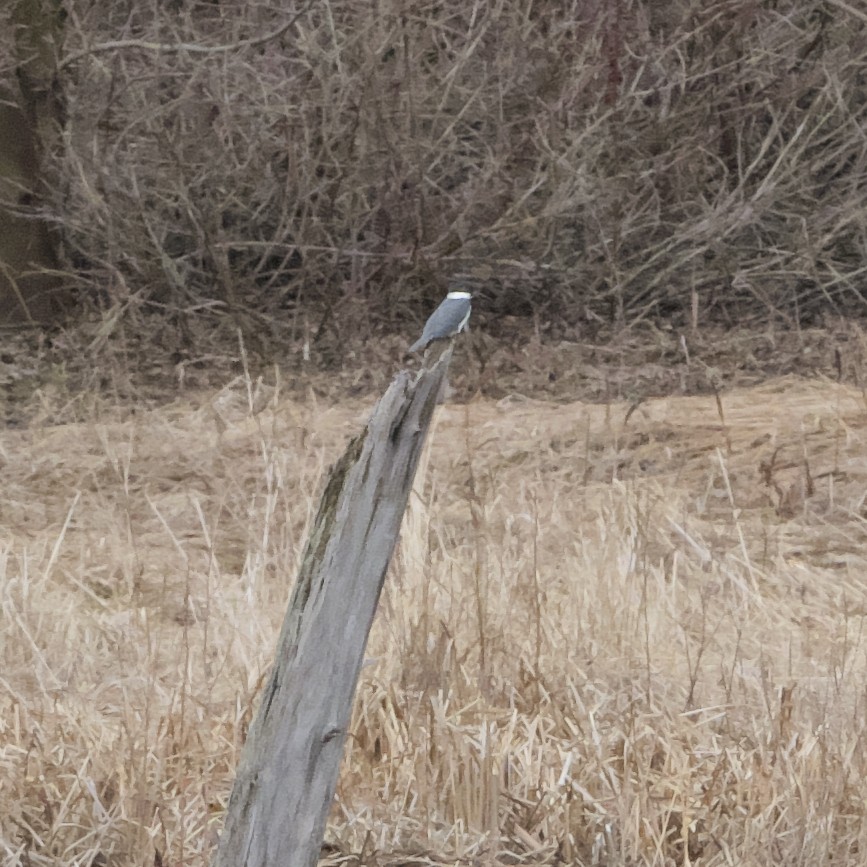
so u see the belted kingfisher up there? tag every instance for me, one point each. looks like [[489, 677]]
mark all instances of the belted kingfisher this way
[[449, 319]]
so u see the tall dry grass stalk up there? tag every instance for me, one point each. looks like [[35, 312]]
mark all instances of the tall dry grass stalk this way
[[610, 636]]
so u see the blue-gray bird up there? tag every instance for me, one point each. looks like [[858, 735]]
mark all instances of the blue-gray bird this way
[[449, 319]]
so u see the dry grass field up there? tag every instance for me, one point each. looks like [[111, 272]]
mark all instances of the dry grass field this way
[[612, 634]]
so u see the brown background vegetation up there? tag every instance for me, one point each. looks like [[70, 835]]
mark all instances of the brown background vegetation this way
[[598, 162]]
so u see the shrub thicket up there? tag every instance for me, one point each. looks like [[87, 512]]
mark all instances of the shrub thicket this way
[[616, 159]]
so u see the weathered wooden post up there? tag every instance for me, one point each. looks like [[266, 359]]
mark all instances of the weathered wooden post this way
[[288, 769]]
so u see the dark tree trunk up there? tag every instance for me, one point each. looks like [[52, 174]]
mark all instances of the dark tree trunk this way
[[30, 117]]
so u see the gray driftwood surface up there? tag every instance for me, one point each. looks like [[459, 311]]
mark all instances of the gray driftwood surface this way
[[288, 769]]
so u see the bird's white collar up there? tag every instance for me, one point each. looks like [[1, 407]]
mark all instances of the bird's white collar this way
[[462, 295]]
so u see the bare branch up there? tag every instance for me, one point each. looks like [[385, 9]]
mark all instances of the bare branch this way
[[179, 47]]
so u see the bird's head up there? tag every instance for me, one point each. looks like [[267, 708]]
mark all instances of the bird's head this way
[[465, 286]]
